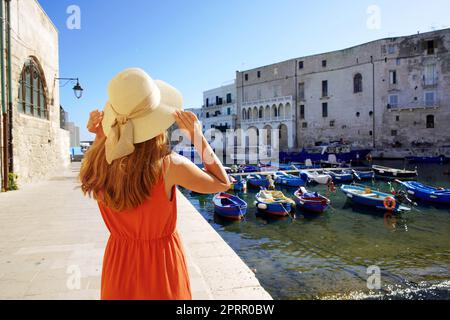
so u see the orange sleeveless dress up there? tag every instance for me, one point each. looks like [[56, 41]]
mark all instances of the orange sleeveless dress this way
[[144, 258]]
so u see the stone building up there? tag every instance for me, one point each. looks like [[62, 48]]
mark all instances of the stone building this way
[[387, 93], [39, 146]]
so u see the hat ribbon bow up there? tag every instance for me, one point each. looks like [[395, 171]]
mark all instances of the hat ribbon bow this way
[[120, 141]]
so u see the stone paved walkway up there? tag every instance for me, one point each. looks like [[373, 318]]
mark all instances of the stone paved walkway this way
[[52, 241]]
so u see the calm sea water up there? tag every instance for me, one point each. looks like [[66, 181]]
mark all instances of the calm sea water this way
[[327, 256]]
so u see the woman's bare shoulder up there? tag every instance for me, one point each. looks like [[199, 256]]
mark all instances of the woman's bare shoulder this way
[[177, 161]]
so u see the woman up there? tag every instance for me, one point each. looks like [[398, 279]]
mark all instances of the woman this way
[[133, 176]]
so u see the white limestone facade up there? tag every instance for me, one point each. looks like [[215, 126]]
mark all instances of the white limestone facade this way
[[219, 108], [40, 147], [387, 93]]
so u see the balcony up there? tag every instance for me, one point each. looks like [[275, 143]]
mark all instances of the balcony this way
[[265, 120], [423, 105], [428, 82], [270, 102]]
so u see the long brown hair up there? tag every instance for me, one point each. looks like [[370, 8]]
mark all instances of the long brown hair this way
[[127, 182]]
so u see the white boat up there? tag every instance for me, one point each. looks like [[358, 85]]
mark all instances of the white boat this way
[[316, 176]]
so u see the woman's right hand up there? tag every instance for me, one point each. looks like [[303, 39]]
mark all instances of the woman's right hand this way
[[95, 120], [190, 125]]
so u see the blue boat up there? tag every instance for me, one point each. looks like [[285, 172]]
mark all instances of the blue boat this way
[[238, 183], [257, 181], [303, 166], [340, 176], [248, 168], [425, 193], [274, 203], [229, 206], [363, 175], [438, 159], [284, 167], [311, 201], [374, 199], [288, 180]]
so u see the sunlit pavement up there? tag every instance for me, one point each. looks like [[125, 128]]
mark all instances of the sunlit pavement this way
[[52, 241]]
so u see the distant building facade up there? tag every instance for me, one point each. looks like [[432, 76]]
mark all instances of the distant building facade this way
[[392, 92], [38, 146], [219, 109], [74, 133]]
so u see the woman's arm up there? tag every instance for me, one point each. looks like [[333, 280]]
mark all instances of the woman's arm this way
[[184, 173]]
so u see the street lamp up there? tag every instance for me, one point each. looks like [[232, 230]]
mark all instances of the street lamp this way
[[77, 89]]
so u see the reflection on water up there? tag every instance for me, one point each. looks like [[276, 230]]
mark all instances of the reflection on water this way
[[327, 256]]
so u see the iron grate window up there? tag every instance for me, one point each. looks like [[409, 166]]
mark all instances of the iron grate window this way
[[32, 97]]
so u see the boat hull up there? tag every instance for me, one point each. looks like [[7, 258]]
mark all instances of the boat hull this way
[[275, 209], [315, 178], [258, 183], [282, 207], [248, 169], [317, 205], [289, 180], [376, 203], [235, 211], [341, 177], [386, 174], [365, 175], [424, 193]]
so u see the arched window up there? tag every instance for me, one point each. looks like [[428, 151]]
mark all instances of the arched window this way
[[244, 114], [275, 111], [255, 113], [430, 121], [261, 112], [357, 83], [32, 97]]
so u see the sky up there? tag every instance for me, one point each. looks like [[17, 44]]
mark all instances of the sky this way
[[197, 45]]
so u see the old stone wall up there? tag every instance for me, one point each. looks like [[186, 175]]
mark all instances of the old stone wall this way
[[40, 146]]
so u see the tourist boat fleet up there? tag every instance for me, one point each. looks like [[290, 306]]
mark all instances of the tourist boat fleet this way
[[275, 203]]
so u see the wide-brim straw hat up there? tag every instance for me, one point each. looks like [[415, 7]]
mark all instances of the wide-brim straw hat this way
[[139, 109]]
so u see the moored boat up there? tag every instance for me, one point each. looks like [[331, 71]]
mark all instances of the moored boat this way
[[288, 180], [315, 176], [303, 166], [421, 192], [284, 167], [375, 199], [340, 176], [229, 206], [257, 181], [248, 169], [311, 202], [382, 172], [363, 175], [238, 183], [274, 203]]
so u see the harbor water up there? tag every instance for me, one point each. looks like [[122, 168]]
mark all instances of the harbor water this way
[[327, 256]]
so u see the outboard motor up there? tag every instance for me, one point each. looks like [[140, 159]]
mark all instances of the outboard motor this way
[[402, 197]]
